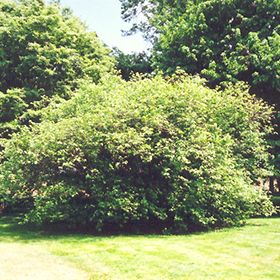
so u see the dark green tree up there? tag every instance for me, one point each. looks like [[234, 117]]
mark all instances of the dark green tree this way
[[221, 40], [129, 64]]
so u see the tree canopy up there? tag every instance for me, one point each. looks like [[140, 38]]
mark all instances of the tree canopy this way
[[45, 47], [221, 40], [44, 51]]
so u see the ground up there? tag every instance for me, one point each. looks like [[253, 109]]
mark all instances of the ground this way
[[250, 252]]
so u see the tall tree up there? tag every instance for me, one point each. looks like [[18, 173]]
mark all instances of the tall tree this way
[[44, 51], [222, 40]]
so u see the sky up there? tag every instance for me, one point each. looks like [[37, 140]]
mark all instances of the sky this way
[[104, 17]]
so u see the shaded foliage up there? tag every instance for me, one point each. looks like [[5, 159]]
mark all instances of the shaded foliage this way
[[129, 64]]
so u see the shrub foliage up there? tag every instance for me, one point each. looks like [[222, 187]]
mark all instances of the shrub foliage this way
[[169, 153]]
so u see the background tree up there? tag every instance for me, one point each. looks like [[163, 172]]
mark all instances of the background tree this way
[[44, 51], [129, 64], [153, 11]]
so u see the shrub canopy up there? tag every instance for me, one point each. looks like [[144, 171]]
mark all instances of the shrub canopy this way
[[170, 153]]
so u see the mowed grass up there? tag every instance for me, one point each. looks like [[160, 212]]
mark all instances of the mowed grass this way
[[250, 252]]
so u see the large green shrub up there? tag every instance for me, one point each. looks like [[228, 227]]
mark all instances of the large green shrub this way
[[166, 153]]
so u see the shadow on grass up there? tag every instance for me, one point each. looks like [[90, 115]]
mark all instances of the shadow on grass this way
[[12, 231]]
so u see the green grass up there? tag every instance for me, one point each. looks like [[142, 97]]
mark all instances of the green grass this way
[[250, 252]]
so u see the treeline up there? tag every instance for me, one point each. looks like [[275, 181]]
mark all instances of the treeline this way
[[89, 141]]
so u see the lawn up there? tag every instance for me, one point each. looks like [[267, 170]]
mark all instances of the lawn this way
[[250, 252]]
